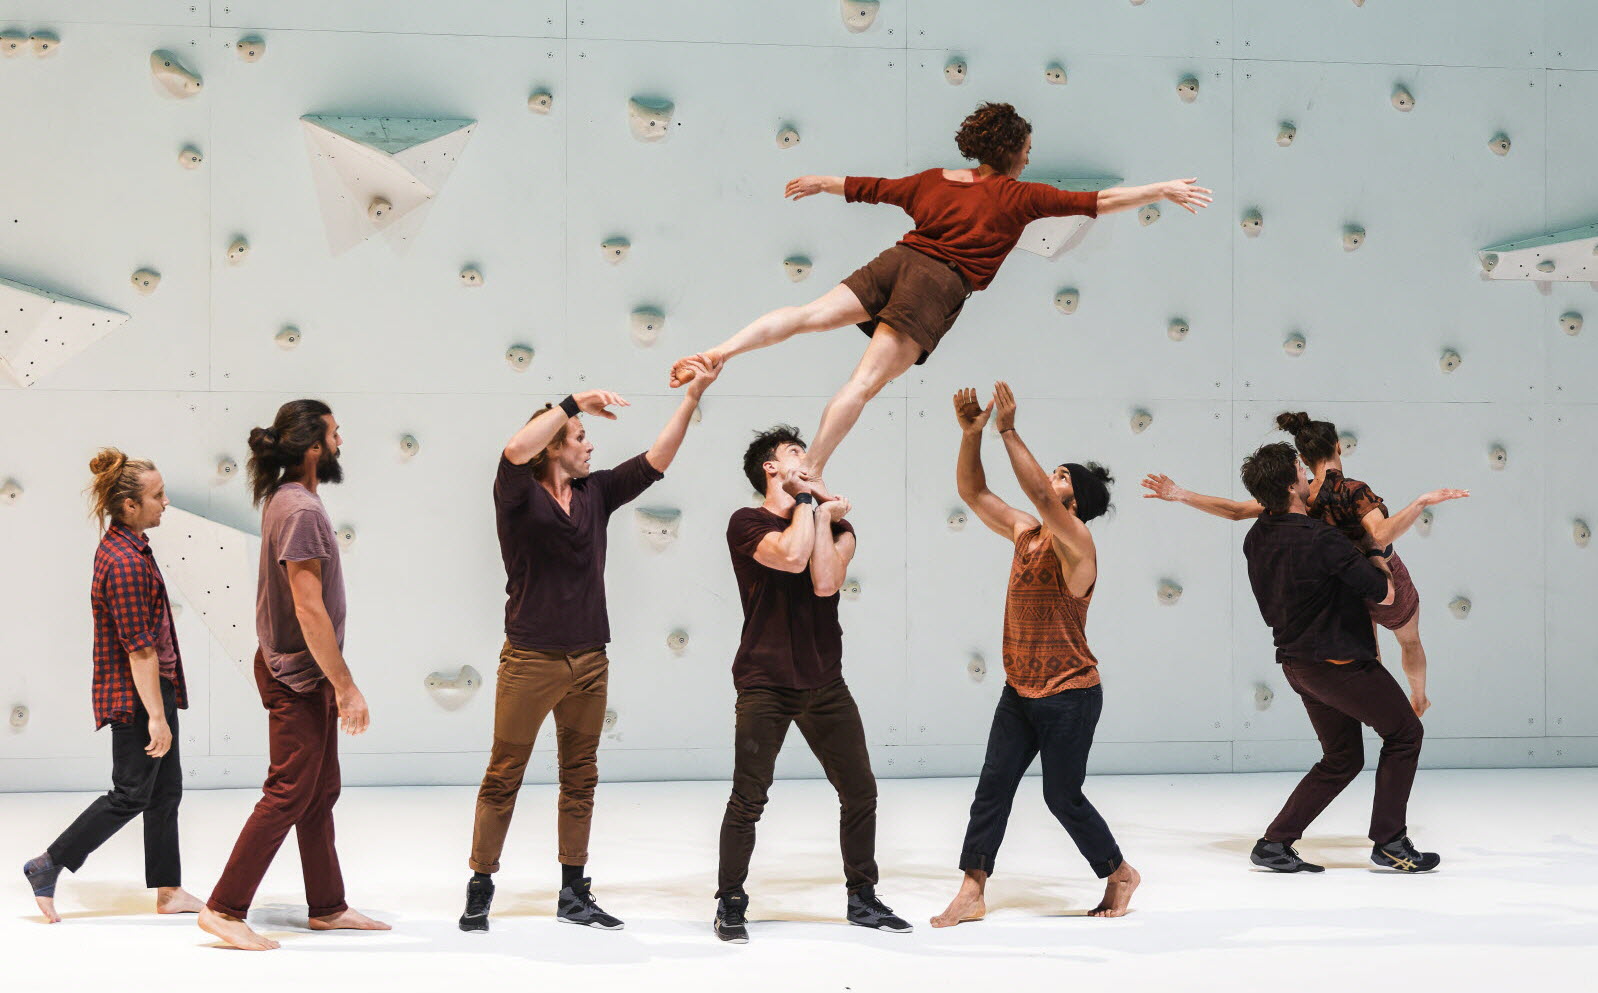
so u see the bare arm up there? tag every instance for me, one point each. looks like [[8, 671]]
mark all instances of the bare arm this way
[[829, 561], [806, 186], [1068, 532], [790, 550], [146, 668], [1185, 193], [972, 480], [1165, 488], [664, 450], [537, 433], [305, 585], [1386, 530]]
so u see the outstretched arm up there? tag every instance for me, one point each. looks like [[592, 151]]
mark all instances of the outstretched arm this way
[[1386, 530], [1185, 193], [537, 433], [1064, 526], [972, 481], [664, 450], [809, 186], [1164, 488]]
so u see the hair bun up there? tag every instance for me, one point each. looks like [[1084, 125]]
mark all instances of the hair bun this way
[[262, 440], [107, 460], [1293, 423]]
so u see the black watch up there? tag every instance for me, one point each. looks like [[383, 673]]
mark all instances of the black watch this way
[[805, 498]]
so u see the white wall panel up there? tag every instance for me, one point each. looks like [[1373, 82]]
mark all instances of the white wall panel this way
[[1199, 28], [1572, 494], [790, 25], [48, 14], [1464, 33], [524, 18]]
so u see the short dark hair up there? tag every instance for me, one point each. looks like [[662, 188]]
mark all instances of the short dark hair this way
[[1269, 475], [279, 449], [764, 448], [1090, 482], [1316, 441], [994, 135]]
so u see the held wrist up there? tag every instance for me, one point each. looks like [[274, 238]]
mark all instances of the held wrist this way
[[805, 498], [569, 406]]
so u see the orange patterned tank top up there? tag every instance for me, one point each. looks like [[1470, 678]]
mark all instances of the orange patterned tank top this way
[[1045, 646]]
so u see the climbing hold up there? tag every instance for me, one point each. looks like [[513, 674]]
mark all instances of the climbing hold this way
[[409, 446], [787, 138], [650, 120], [452, 691], [541, 102], [1149, 214], [519, 357], [858, 15], [346, 536], [238, 251], [1286, 133], [190, 158], [12, 44], [251, 49], [1499, 143], [170, 75], [10, 492], [1066, 301], [1141, 419], [226, 468], [658, 525], [613, 250], [1423, 523], [1571, 322], [1489, 262], [1263, 695], [1177, 330], [1169, 592], [610, 720], [1460, 607], [287, 338], [1349, 443], [956, 519], [44, 43], [954, 72], [1450, 361], [850, 588], [1581, 533], [798, 268], [1055, 74], [1187, 89], [1253, 223], [146, 280], [976, 667], [677, 641], [471, 277], [1547, 265], [1294, 345], [379, 211], [1353, 237], [647, 323], [1403, 100], [1497, 458]]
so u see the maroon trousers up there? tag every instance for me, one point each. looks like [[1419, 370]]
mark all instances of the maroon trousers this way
[[1340, 698], [301, 787]]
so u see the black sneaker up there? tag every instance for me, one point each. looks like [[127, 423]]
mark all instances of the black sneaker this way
[[1401, 855], [866, 910], [730, 920], [1279, 856], [577, 906], [479, 894]]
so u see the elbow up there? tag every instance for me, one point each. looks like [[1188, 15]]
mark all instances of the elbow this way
[[794, 563], [825, 590]]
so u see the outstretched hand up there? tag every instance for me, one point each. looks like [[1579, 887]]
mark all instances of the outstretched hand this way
[[595, 401], [1003, 406], [1161, 487], [973, 417], [1442, 496], [702, 371], [1187, 194], [805, 186]]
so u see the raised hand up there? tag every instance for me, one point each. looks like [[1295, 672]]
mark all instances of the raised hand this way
[[1162, 487], [1003, 406], [1441, 496], [973, 417], [836, 509], [1187, 194], [684, 369], [702, 371], [805, 186], [595, 402]]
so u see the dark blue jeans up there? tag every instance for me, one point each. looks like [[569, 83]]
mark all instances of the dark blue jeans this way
[[1060, 728]]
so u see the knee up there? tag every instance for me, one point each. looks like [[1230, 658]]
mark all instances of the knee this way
[[1408, 642], [1408, 734], [1062, 797], [745, 808], [1342, 766]]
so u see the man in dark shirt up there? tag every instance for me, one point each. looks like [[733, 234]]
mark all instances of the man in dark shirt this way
[[551, 511], [790, 556], [1312, 585]]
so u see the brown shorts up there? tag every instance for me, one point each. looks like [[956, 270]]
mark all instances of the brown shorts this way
[[1406, 599], [916, 295]]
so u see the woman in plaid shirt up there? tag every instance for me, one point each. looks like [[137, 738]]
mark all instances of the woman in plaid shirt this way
[[138, 690]]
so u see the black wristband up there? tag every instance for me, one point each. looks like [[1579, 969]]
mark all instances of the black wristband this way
[[805, 498], [569, 406], [1384, 553]]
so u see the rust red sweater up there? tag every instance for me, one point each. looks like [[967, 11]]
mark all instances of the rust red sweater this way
[[972, 225]]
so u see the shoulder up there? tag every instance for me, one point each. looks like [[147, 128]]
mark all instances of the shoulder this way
[[747, 516]]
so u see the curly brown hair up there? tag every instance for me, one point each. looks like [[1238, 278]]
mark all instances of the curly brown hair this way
[[994, 135]]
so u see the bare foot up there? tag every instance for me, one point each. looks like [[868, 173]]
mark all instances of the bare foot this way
[[232, 931], [818, 486], [682, 373], [346, 920], [177, 900], [967, 904], [1117, 892], [47, 908]]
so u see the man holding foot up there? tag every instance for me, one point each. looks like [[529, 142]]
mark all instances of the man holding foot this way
[[1051, 699], [303, 679], [790, 556], [1314, 589]]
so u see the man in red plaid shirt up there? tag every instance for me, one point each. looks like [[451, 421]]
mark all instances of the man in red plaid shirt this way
[[138, 690]]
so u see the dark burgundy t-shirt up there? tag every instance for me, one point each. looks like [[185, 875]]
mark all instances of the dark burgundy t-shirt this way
[[791, 637], [555, 561]]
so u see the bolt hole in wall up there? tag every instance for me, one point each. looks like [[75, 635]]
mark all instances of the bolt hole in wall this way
[[329, 256]]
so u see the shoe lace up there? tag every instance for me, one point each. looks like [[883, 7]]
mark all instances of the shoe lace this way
[[874, 903], [732, 913], [477, 898]]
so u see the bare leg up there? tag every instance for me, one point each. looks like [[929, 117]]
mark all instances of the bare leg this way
[[176, 900], [888, 356], [347, 920], [1117, 892], [967, 904], [1413, 659], [233, 931], [836, 308]]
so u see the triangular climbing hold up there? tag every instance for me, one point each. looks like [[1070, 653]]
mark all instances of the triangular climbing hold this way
[[40, 330], [1566, 256], [214, 567], [1051, 237]]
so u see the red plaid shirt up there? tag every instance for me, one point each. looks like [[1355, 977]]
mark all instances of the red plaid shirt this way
[[130, 610]]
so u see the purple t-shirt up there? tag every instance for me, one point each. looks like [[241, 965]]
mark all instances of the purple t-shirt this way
[[295, 528]]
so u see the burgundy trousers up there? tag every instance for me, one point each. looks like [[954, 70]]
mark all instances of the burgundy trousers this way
[[301, 787]]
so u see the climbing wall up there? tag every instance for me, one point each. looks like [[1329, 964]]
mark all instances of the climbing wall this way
[[437, 218]]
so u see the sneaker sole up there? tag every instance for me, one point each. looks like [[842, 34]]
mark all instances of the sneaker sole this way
[[733, 940], [1401, 870], [593, 924], [1290, 870], [884, 927]]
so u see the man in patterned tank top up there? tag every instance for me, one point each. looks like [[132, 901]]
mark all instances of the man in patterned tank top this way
[[1051, 699]]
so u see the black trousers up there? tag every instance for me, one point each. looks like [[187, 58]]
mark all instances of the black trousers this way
[[139, 785], [1060, 728], [830, 722]]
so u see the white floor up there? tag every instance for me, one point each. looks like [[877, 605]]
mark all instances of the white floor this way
[[1515, 905]]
